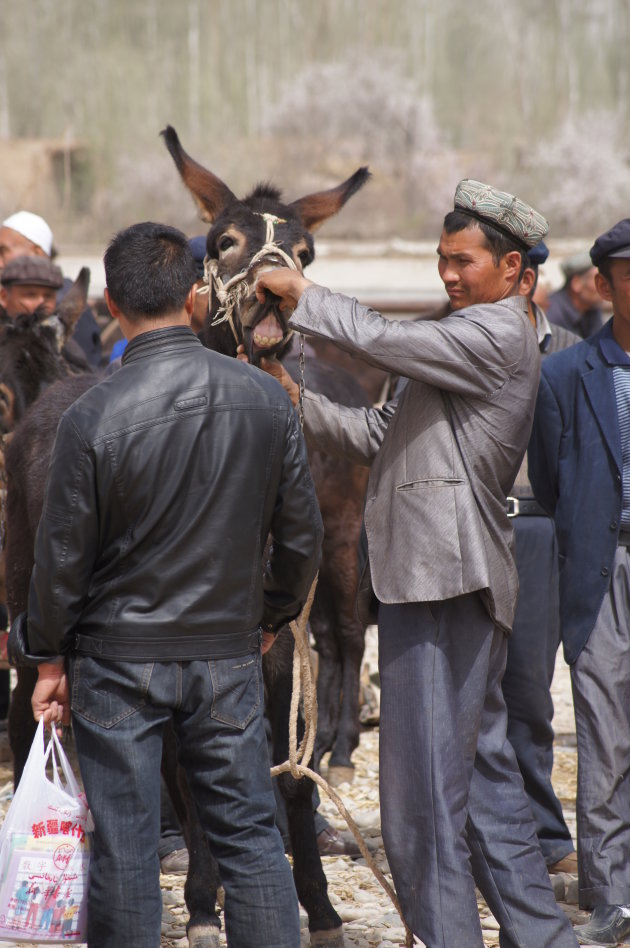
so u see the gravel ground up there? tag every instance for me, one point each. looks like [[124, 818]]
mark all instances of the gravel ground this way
[[370, 919]]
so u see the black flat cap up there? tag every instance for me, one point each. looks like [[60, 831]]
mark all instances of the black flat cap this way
[[614, 243]]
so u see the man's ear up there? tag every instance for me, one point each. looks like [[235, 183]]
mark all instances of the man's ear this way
[[3, 296], [528, 282], [111, 306], [512, 266], [189, 305], [603, 287]]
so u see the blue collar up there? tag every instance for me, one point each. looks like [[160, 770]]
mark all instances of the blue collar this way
[[611, 350]]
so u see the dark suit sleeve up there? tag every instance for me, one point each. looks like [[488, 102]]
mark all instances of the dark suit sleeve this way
[[65, 546], [296, 534], [543, 452]]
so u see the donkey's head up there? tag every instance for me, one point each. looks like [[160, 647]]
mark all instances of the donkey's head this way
[[31, 351], [246, 237]]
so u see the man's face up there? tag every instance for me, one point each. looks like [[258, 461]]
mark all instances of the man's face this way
[[468, 271], [21, 298], [14, 245], [617, 290]]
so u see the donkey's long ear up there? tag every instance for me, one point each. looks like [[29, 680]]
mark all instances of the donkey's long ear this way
[[211, 195], [314, 209], [74, 301]]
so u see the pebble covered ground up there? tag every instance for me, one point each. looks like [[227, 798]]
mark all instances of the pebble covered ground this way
[[370, 919]]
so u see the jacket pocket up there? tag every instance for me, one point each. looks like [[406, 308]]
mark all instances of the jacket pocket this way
[[431, 482], [237, 688]]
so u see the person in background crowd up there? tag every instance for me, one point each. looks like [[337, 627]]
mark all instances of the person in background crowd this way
[[28, 284], [27, 234], [579, 467], [198, 248], [24, 234], [577, 305], [533, 644]]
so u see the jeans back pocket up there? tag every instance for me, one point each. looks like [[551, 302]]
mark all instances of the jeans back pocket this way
[[236, 688]]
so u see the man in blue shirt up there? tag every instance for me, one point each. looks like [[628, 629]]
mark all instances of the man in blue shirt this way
[[579, 467]]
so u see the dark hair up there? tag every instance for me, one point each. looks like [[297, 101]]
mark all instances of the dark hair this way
[[497, 243], [605, 269], [149, 270]]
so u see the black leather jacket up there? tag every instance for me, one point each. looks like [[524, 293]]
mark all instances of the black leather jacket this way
[[165, 481]]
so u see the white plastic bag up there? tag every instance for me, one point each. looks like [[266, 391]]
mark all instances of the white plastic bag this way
[[45, 852]]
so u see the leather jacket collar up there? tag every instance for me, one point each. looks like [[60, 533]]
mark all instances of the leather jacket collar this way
[[149, 342]]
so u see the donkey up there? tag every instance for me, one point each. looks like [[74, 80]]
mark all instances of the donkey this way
[[246, 236]]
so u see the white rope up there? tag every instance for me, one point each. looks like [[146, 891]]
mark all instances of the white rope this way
[[303, 680], [232, 291]]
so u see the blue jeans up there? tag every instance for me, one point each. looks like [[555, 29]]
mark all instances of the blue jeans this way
[[119, 710]]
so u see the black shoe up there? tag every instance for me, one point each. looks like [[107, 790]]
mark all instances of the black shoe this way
[[330, 842], [606, 926]]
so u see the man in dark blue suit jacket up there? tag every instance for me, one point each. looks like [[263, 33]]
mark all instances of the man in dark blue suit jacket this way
[[579, 466]]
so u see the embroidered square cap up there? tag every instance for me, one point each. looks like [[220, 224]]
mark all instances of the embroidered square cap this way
[[505, 212], [614, 243]]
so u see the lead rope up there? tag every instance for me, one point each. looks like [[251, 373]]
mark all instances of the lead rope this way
[[303, 682], [297, 764]]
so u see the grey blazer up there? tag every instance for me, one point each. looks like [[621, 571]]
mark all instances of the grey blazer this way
[[444, 456]]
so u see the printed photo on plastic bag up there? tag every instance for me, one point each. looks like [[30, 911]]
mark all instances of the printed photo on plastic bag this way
[[45, 852]]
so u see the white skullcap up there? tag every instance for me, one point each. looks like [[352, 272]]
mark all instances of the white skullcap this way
[[33, 227]]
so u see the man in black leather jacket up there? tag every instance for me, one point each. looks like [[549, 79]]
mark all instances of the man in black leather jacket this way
[[148, 587]]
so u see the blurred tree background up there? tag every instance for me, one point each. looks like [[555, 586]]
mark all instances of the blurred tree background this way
[[534, 97]]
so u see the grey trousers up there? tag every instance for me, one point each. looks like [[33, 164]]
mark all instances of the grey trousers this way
[[600, 680], [454, 811]]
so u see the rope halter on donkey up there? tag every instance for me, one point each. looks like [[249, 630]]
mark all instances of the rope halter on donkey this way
[[230, 293]]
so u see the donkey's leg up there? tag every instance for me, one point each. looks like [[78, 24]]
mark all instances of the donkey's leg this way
[[311, 886], [351, 637], [329, 675], [202, 881]]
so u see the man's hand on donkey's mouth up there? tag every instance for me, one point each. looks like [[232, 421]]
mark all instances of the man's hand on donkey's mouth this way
[[287, 285]]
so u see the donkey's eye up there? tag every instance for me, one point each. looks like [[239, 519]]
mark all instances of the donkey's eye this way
[[304, 257], [225, 243]]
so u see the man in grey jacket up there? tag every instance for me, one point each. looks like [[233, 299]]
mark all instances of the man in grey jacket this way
[[454, 812]]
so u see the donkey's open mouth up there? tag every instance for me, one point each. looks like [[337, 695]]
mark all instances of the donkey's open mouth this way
[[265, 329]]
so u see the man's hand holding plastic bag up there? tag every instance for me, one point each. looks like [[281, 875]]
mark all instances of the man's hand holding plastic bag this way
[[51, 696]]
